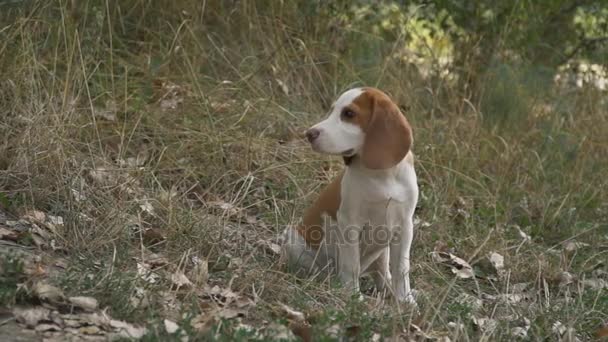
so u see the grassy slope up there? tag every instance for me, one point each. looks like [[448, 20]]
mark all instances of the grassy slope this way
[[484, 168]]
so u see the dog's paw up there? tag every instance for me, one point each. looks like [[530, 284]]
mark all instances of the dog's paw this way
[[410, 299]]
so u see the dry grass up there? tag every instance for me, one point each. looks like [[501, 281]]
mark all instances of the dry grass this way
[[210, 99]]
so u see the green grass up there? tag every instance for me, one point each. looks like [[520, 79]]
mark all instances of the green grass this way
[[518, 152]]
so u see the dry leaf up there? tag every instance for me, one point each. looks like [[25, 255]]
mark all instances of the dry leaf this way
[[94, 319], [79, 196], [498, 261], [220, 295], [145, 273], [154, 260], [180, 280], [521, 332], [128, 330], [56, 220], [485, 324], [420, 333], [31, 316], [85, 303], [10, 235], [49, 293], [89, 330], [558, 328], [47, 327], [146, 206], [35, 216], [459, 267], [170, 326], [228, 208], [228, 313], [293, 314], [271, 247]]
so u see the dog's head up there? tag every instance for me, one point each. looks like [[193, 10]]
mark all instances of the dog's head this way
[[364, 122]]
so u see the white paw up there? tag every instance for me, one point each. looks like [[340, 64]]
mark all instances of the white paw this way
[[409, 298]]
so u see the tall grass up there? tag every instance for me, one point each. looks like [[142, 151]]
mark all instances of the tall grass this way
[[211, 97]]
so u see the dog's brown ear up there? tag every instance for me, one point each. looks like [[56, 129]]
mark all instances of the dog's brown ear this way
[[388, 137]]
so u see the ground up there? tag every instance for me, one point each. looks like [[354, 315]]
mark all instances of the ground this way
[[150, 159]]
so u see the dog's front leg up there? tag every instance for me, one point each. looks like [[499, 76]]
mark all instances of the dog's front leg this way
[[349, 265], [400, 261]]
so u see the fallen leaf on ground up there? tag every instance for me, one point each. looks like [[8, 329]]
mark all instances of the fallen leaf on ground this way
[[34, 215], [485, 324], [31, 316], [522, 331], [269, 246], [48, 293], [146, 206], [225, 296], [228, 208], [459, 267], [128, 330], [85, 303], [228, 313], [56, 220], [498, 261], [293, 314], [558, 328], [154, 260], [89, 330], [416, 330], [170, 326], [47, 327], [145, 273], [180, 280], [10, 235]]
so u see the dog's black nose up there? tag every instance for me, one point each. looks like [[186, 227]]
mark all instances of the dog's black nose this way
[[312, 134]]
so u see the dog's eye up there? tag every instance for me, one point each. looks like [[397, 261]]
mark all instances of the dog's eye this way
[[347, 113]]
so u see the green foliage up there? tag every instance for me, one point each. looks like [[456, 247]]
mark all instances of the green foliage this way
[[11, 275]]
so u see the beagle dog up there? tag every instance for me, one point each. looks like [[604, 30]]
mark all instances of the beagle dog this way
[[362, 222]]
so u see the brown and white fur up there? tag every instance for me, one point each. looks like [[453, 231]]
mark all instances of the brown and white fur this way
[[362, 222]]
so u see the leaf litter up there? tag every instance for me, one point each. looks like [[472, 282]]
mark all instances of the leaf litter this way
[[459, 267]]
